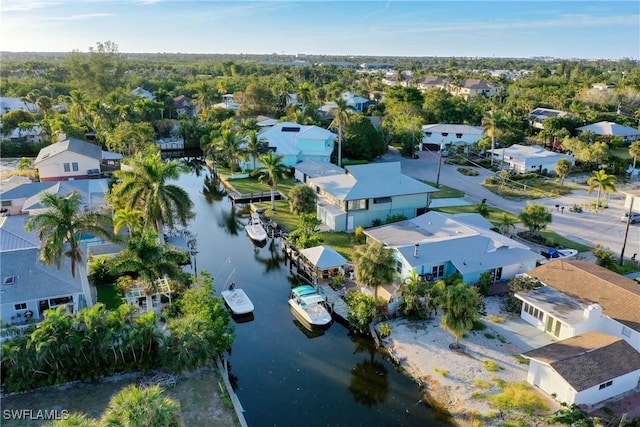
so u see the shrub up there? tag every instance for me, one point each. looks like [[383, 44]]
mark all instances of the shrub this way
[[491, 366], [497, 319], [441, 371], [385, 330], [482, 383], [490, 336], [395, 218], [519, 396], [358, 236]]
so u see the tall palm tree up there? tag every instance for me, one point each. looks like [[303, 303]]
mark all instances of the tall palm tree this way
[[130, 218], [272, 168], [255, 146], [460, 310], [634, 151], [304, 94], [375, 266], [227, 146], [78, 105], [144, 186], [491, 124], [59, 229], [341, 113], [603, 182]]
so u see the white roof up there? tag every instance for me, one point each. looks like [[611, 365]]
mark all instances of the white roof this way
[[610, 128], [314, 168], [521, 152], [323, 257], [284, 136], [8, 104], [371, 180], [449, 128]]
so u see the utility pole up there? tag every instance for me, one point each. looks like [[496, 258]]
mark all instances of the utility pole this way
[[439, 165], [626, 231]]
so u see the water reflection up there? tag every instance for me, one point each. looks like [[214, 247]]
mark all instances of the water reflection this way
[[230, 221], [213, 190], [369, 385], [273, 260], [195, 164], [308, 332]]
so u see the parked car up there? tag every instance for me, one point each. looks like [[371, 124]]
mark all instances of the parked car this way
[[635, 217]]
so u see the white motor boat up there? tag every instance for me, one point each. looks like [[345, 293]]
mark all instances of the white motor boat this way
[[255, 230], [237, 300], [560, 254], [309, 307]]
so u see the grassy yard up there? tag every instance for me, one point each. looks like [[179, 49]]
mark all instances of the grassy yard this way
[[109, 296], [444, 192], [340, 241], [554, 239], [529, 189], [495, 215]]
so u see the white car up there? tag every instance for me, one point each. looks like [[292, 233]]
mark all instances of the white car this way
[[635, 217]]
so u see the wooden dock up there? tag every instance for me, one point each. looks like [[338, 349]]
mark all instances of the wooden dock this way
[[335, 302]]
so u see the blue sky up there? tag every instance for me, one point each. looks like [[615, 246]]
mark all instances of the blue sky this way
[[566, 29]]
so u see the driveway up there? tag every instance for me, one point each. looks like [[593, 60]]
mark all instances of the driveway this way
[[588, 228]]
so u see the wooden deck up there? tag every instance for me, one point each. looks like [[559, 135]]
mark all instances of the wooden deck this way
[[335, 303]]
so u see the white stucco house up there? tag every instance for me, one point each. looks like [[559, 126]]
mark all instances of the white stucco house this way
[[594, 314], [585, 369], [529, 158], [438, 136], [143, 93], [296, 143], [436, 245], [473, 87], [73, 159], [358, 103], [611, 130], [361, 194]]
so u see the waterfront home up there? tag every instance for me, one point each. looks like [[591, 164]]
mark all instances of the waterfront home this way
[[364, 194], [74, 159], [538, 115], [182, 106], [529, 158], [436, 245], [440, 135], [611, 130], [585, 369], [296, 143]]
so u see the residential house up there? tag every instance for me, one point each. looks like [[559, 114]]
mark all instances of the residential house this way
[[438, 136], [354, 101], [313, 169], [611, 130], [529, 158], [143, 93], [585, 369], [580, 296], [472, 87], [431, 82], [296, 143], [25, 198], [539, 115], [33, 135], [8, 104], [367, 193], [182, 106], [436, 245], [29, 287], [228, 103], [74, 159]]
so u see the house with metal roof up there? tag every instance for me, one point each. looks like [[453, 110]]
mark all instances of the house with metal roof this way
[[436, 245], [296, 143], [529, 158], [468, 88], [29, 287], [538, 115], [440, 135], [585, 369], [74, 159], [612, 130], [363, 194], [578, 297]]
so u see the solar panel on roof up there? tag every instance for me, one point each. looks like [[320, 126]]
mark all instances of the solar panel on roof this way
[[290, 129]]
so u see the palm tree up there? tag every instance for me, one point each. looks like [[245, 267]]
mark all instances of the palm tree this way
[[491, 124], [507, 223], [78, 105], [59, 229], [341, 113], [255, 146], [272, 168], [375, 265], [563, 167], [459, 303], [203, 97], [535, 217], [137, 406], [228, 146], [130, 218], [634, 151], [411, 290], [304, 94], [144, 186], [602, 182]]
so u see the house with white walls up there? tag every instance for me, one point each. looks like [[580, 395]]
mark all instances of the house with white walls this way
[[611, 130], [440, 135], [529, 158], [538, 115], [585, 369], [296, 143], [360, 195], [436, 245]]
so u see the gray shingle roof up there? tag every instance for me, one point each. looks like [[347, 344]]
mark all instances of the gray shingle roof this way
[[72, 144], [587, 360]]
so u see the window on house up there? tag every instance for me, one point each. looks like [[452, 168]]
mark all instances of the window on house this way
[[428, 134], [60, 301], [459, 135], [6, 203], [525, 307], [67, 167], [353, 205], [398, 266], [20, 306], [379, 200], [445, 133], [9, 280], [74, 166], [437, 271], [605, 385], [626, 332]]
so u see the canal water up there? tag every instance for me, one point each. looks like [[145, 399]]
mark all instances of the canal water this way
[[284, 375]]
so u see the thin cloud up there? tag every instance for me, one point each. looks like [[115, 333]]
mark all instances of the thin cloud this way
[[377, 12], [24, 5], [80, 17]]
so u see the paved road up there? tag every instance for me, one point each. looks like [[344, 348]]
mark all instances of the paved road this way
[[588, 228]]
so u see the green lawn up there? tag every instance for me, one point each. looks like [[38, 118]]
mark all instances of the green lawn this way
[[444, 192], [529, 189], [109, 296], [340, 241], [555, 239]]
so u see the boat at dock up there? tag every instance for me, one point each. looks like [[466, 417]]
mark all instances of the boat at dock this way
[[255, 229], [309, 307]]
